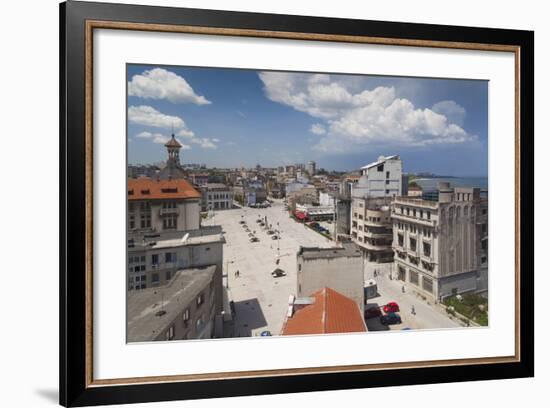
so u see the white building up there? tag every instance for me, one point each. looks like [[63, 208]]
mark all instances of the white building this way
[[382, 178], [216, 196], [371, 225], [441, 247]]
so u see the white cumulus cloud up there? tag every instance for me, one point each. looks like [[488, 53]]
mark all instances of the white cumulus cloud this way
[[148, 116], [361, 117], [160, 138], [159, 83], [317, 129]]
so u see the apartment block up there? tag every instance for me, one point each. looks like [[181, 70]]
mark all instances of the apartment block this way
[[441, 247], [183, 309]]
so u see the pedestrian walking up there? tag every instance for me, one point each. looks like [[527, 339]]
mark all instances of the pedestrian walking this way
[[403, 288], [413, 311]]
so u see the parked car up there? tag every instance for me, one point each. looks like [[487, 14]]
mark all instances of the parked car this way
[[270, 232], [277, 273], [390, 318], [241, 222], [250, 235], [274, 237], [391, 307], [265, 333], [254, 239], [373, 312], [258, 220]]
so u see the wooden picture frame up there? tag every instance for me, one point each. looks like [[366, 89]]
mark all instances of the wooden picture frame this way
[[78, 20]]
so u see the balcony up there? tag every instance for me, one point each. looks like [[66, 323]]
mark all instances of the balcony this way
[[169, 211], [382, 235], [411, 218]]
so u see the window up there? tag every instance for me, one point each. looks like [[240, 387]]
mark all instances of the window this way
[[387, 191], [400, 239], [484, 229], [299, 267], [155, 279], [413, 277], [387, 182], [414, 213], [170, 333], [412, 244], [387, 175], [170, 222], [132, 222], [155, 259], [200, 299], [429, 215], [168, 275], [185, 316], [427, 249], [169, 257], [380, 168], [408, 211], [421, 214], [145, 220], [427, 284]]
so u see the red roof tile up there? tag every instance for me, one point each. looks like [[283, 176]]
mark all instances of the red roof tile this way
[[331, 312], [144, 188]]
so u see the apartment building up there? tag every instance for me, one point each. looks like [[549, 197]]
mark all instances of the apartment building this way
[[441, 247], [382, 178], [339, 268], [371, 227], [183, 309], [216, 196], [371, 196]]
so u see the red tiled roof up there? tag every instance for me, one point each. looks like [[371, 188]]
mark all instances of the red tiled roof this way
[[144, 188], [331, 312]]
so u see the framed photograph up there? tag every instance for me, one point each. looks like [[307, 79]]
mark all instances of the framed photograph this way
[[257, 204]]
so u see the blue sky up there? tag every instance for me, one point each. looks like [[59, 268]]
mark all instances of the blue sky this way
[[233, 118]]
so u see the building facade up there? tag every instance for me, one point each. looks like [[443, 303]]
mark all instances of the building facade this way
[[216, 196], [162, 205], [339, 268], [441, 247], [382, 178], [183, 310], [311, 168], [371, 227]]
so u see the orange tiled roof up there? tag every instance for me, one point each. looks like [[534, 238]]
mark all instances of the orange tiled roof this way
[[144, 188], [331, 312]]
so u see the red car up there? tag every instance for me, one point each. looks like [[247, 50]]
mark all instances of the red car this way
[[391, 307], [372, 312]]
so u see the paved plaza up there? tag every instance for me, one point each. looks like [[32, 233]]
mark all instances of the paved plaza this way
[[261, 301]]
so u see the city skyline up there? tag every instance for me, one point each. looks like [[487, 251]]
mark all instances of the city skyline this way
[[229, 118]]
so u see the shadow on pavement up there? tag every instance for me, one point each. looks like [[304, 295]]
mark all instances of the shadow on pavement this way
[[248, 317]]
